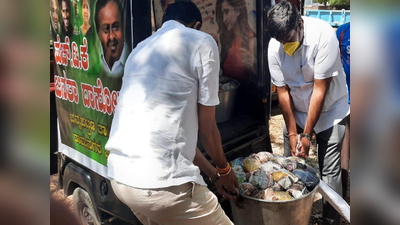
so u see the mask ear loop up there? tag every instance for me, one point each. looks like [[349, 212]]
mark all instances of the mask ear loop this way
[[298, 27]]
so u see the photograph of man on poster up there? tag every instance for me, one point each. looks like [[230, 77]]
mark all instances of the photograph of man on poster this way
[[110, 30], [54, 11], [66, 22]]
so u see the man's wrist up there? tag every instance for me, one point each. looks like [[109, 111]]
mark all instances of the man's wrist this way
[[215, 178], [222, 164], [306, 136], [224, 169]]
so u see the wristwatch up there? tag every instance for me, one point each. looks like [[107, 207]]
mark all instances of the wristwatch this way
[[215, 179], [306, 136]]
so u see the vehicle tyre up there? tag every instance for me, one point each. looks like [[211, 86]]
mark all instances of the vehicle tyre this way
[[84, 207]]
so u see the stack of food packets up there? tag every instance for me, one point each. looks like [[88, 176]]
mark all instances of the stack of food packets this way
[[226, 83], [274, 178]]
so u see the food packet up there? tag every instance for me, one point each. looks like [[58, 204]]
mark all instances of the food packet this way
[[284, 173], [264, 156], [276, 187], [294, 162], [298, 189], [284, 178], [261, 179], [285, 182], [299, 186], [237, 162], [279, 175], [280, 160], [251, 164], [246, 188], [309, 179], [237, 169], [259, 194], [291, 165], [223, 79], [241, 176], [248, 175], [270, 195], [270, 166], [226, 86], [283, 195], [233, 85], [296, 159]]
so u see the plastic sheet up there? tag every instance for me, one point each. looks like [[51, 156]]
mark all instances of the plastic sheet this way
[[308, 178]]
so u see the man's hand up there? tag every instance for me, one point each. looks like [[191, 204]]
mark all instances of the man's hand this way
[[211, 140], [227, 186], [304, 148]]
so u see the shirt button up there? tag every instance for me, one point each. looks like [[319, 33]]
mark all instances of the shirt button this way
[[149, 193]]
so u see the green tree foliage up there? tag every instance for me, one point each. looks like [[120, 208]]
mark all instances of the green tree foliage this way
[[339, 2], [335, 2], [323, 2]]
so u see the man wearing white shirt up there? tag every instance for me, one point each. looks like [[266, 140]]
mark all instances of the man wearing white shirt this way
[[305, 66], [168, 98]]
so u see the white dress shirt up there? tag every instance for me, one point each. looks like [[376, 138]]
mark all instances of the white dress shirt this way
[[318, 57], [154, 132]]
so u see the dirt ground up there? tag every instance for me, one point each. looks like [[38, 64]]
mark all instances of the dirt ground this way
[[59, 193], [276, 128]]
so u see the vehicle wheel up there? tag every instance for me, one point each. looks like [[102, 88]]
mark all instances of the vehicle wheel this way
[[84, 207]]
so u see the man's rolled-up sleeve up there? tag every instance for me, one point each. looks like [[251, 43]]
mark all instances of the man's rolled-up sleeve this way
[[274, 68], [208, 72]]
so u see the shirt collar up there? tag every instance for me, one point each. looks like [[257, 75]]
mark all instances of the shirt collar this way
[[121, 58], [306, 37], [172, 23], [124, 54]]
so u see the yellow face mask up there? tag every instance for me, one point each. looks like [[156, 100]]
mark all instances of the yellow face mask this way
[[291, 47]]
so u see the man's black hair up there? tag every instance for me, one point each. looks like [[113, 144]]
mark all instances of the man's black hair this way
[[185, 12], [281, 19], [101, 4]]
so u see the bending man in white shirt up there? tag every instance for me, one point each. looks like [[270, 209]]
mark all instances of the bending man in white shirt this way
[[305, 66], [168, 97]]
